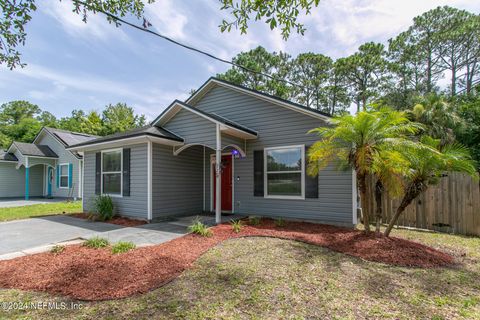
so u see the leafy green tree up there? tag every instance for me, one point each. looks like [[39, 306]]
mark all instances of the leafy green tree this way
[[119, 118], [469, 135], [18, 122], [336, 92], [453, 40], [47, 119], [74, 122], [439, 117], [311, 72], [366, 72], [427, 167], [261, 61], [93, 124], [357, 141], [282, 14], [14, 111]]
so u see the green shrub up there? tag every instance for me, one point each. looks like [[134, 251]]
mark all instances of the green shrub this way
[[104, 207], [57, 249], [254, 220], [96, 243], [200, 228], [123, 246], [280, 222], [236, 225]]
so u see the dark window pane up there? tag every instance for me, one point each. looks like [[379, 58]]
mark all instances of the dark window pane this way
[[284, 159], [64, 182], [112, 161], [112, 183], [284, 184]]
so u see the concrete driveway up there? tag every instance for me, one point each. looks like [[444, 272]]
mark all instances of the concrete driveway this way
[[34, 235]]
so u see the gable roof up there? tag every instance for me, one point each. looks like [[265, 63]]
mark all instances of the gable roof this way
[[173, 108], [148, 130], [34, 150], [67, 138], [6, 156], [213, 82]]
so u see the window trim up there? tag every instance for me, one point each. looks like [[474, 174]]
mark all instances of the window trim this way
[[60, 175], [110, 172], [265, 173]]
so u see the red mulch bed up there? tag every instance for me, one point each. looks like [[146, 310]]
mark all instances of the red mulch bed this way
[[89, 274], [121, 221]]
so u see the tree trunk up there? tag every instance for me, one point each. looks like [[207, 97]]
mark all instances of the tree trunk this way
[[378, 201], [413, 191], [454, 81], [362, 186]]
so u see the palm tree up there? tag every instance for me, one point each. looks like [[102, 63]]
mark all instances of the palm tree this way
[[389, 167], [438, 116], [427, 165], [357, 141]]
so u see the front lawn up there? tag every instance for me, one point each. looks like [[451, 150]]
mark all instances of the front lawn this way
[[268, 278], [36, 210]]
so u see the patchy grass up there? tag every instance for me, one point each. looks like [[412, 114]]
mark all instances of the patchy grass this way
[[36, 210], [267, 278], [122, 247], [96, 243]]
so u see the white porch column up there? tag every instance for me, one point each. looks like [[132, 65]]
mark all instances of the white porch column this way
[[218, 178]]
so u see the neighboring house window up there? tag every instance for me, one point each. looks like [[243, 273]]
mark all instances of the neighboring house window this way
[[285, 172], [112, 172], [64, 175]]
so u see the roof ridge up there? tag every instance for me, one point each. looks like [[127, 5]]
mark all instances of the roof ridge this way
[[71, 132]]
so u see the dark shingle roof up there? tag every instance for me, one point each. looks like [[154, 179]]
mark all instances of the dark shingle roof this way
[[30, 149], [5, 156], [69, 138], [149, 130]]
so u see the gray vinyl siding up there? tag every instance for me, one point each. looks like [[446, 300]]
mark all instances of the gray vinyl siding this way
[[193, 128], [134, 205], [12, 181], [64, 157], [278, 126], [176, 182]]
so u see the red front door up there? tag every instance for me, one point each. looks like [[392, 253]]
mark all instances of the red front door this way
[[226, 183]]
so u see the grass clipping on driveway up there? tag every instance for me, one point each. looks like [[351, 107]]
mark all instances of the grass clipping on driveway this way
[[88, 274], [35, 210]]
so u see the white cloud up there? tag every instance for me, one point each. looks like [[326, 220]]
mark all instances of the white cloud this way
[[149, 100], [96, 28], [167, 18]]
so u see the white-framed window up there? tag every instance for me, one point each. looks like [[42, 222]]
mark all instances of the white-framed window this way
[[64, 175], [284, 176], [112, 168]]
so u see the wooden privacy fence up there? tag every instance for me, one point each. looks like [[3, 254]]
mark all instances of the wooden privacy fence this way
[[452, 206]]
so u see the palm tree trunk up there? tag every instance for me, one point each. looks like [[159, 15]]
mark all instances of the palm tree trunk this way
[[378, 201], [362, 186], [414, 189]]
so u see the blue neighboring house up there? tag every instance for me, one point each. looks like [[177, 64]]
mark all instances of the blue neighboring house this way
[[43, 168]]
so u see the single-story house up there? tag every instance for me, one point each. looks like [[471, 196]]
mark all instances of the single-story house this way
[[43, 168], [225, 149]]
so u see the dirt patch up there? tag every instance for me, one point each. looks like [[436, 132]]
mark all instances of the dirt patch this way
[[121, 221], [90, 274]]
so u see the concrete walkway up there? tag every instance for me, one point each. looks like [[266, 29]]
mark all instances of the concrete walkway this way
[[9, 203], [22, 237]]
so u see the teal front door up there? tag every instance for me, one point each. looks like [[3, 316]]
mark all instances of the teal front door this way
[[49, 181]]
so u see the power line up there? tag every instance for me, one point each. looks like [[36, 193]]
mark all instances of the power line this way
[[146, 23]]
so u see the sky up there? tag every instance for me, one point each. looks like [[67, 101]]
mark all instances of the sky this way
[[77, 65]]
